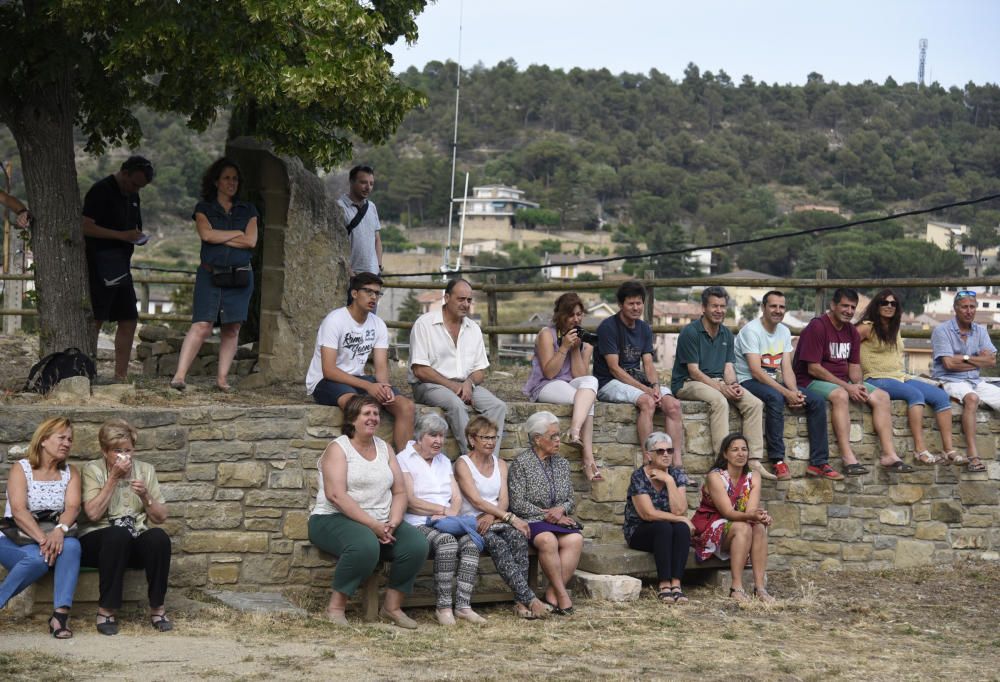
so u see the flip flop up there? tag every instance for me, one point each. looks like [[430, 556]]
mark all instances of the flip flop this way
[[597, 473], [856, 469], [899, 467]]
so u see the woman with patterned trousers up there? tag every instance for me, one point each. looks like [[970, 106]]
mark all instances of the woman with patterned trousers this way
[[482, 478], [433, 495]]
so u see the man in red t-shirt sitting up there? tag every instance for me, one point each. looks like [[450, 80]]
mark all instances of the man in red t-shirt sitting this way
[[827, 362]]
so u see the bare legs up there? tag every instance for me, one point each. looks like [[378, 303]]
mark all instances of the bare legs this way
[[671, 408], [943, 419], [882, 419], [124, 336], [582, 427], [970, 403], [193, 341], [840, 415], [558, 556], [744, 540]]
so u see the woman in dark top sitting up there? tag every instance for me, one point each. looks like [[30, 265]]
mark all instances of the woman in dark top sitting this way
[[228, 231], [541, 493], [654, 517]]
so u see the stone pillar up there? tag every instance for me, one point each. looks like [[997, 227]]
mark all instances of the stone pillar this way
[[303, 271]]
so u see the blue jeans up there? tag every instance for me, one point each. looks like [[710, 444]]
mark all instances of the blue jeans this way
[[774, 423], [25, 565], [915, 392]]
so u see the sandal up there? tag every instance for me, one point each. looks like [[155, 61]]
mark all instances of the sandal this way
[[558, 610], [975, 465], [178, 386], [160, 622], [856, 469], [597, 476], [899, 467], [925, 457], [679, 596], [61, 631], [738, 594], [955, 457], [666, 596], [109, 626], [763, 595]]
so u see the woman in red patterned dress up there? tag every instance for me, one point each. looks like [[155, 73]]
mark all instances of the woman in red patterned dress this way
[[730, 523]]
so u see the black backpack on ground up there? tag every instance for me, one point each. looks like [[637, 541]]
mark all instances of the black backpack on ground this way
[[55, 367]]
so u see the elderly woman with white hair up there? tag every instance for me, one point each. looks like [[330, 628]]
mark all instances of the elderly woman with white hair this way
[[541, 493], [655, 519], [432, 495]]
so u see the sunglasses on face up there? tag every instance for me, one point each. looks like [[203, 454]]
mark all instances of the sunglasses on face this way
[[663, 452], [891, 304]]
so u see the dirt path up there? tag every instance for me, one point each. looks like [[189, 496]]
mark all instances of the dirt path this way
[[933, 624]]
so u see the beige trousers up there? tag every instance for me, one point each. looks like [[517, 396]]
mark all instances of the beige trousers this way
[[750, 407]]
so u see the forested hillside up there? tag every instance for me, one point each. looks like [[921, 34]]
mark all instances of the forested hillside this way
[[663, 163], [705, 158]]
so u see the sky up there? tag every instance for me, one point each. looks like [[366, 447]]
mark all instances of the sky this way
[[781, 41]]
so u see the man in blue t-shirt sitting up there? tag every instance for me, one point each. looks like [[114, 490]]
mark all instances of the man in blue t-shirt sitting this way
[[623, 365]]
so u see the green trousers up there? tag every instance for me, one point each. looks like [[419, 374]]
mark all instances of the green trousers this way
[[358, 551]]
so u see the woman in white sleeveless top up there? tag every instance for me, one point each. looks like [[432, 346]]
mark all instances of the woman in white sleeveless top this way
[[482, 478], [44, 481], [358, 515]]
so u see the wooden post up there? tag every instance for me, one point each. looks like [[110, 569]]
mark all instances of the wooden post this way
[[648, 312], [144, 291], [820, 305], [492, 319]]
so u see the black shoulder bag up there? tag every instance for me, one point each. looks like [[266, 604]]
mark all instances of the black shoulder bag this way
[[358, 217]]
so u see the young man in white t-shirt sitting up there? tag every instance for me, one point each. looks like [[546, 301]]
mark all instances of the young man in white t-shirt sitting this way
[[346, 338], [764, 367]]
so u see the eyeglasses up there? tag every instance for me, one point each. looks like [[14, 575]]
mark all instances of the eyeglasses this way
[[965, 294], [553, 436], [891, 304], [486, 439], [663, 452], [372, 292]]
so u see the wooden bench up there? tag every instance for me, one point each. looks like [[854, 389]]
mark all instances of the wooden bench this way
[[38, 596]]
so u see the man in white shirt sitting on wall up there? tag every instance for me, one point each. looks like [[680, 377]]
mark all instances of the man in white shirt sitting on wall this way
[[346, 338], [448, 362]]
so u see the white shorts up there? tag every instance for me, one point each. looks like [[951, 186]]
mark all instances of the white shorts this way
[[987, 392], [619, 392], [562, 392]]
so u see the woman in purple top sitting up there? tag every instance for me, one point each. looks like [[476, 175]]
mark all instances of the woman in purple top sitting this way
[[559, 375]]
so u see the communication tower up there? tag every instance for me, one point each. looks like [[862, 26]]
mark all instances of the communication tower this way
[[923, 59]]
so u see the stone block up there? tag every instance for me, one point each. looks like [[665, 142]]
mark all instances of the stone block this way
[[911, 553], [268, 429], [228, 494], [223, 574], [218, 451], [857, 552], [589, 510], [931, 530], [813, 515], [269, 525], [810, 491], [894, 516], [196, 542], [182, 492], [296, 525], [614, 487], [977, 492], [165, 460], [786, 519], [830, 565], [70, 390], [200, 472], [265, 570], [793, 546], [618, 588], [188, 570], [845, 530], [968, 539], [946, 511], [241, 474], [275, 498], [291, 479], [617, 454], [221, 515], [212, 432], [305, 555], [905, 493]]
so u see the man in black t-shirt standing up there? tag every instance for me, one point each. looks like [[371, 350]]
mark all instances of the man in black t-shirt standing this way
[[112, 226]]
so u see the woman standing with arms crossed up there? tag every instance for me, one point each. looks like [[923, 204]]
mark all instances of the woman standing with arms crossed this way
[[224, 283]]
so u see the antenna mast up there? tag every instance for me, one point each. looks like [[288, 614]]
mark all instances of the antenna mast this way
[[923, 60], [454, 146]]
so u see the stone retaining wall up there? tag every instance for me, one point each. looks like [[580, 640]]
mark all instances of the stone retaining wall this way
[[240, 481], [159, 350]]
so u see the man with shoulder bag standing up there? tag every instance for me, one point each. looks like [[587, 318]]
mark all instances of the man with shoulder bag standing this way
[[112, 227]]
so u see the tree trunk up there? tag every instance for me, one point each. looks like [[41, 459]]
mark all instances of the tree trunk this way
[[43, 129]]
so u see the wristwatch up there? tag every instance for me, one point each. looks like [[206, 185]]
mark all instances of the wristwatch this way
[[63, 527], [965, 357]]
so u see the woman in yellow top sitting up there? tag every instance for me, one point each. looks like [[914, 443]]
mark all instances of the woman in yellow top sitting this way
[[882, 365]]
